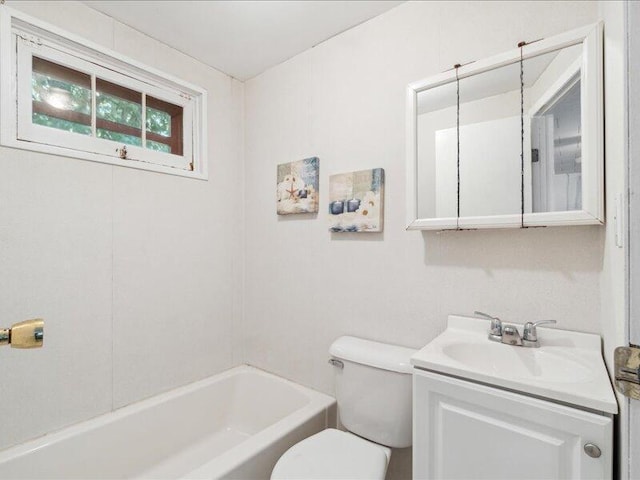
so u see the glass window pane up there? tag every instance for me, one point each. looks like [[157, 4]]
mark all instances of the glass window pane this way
[[119, 137], [159, 147], [158, 122], [118, 113], [61, 97], [53, 122], [164, 126]]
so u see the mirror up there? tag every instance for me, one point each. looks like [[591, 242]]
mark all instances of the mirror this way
[[437, 152], [466, 137], [554, 116]]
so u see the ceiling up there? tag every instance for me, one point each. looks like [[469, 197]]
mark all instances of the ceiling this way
[[242, 38]]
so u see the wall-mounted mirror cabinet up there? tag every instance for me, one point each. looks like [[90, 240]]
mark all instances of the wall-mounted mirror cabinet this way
[[515, 140]]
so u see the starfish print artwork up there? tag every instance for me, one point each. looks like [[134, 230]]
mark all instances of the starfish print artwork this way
[[293, 192], [297, 186]]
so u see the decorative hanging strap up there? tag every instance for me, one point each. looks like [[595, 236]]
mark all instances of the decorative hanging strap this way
[[457, 66], [521, 45]]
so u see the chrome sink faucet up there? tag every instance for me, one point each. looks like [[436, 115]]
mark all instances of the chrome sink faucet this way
[[511, 336], [509, 333]]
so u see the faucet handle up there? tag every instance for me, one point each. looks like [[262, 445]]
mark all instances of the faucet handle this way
[[485, 315], [530, 333], [496, 323]]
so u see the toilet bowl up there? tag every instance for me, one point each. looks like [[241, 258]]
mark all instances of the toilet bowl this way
[[373, 391]]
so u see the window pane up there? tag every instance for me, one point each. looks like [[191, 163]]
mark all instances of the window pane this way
[[164, 126], [53, 122], [158, 122], [118, 113], [159, 147], [119, 137], [61, 97]]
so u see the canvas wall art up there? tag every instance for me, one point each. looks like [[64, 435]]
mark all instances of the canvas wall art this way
[[356, 201], [297, 190]]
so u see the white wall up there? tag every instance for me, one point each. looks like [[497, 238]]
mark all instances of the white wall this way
[[343, 101], [137, 274]]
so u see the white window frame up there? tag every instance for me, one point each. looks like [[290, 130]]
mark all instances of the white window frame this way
[[22, 37]]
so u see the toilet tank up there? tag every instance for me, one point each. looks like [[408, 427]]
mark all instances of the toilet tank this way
[[373, 384]]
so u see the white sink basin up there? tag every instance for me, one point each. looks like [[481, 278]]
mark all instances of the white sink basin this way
[[519, 362], [567, 367]]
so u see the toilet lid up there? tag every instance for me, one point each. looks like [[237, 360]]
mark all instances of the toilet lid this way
[[332, 454]]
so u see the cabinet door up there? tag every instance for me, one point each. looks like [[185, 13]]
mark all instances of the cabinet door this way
[[464, 430]]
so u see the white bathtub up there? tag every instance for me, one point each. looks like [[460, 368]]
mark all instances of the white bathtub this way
[[232, 425]]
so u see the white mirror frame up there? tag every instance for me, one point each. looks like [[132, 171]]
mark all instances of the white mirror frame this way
[[592, 118]]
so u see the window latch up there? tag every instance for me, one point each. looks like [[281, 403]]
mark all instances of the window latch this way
[[122, 152]]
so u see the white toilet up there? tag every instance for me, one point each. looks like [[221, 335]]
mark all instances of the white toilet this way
[[373, 390]]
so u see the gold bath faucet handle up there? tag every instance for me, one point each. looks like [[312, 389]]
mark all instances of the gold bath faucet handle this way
[[27, 334]]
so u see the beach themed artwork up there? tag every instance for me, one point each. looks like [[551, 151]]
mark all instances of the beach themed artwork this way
[[356, 201], [297, 190]]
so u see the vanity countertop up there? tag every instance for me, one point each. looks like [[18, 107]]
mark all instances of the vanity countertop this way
[[567, 367]]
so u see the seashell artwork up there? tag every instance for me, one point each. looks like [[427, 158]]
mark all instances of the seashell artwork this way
[[297, 188]]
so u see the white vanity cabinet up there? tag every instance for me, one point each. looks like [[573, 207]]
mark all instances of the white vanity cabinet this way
[[467, 430]]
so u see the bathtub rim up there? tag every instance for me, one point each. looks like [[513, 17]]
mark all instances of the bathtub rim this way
[[318, 402]]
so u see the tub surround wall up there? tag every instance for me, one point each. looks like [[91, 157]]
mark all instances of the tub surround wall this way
[[126, 266]]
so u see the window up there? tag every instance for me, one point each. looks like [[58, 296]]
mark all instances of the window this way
[[77, 100]]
